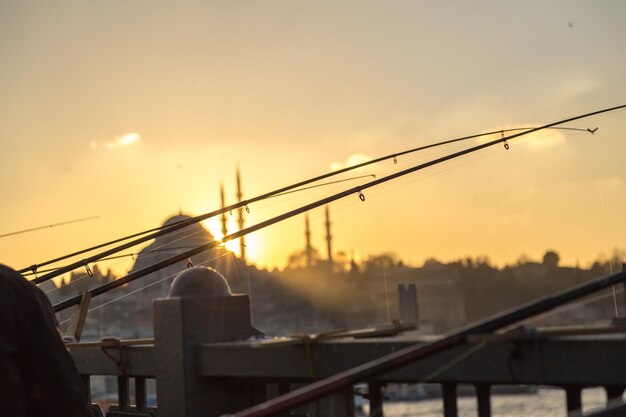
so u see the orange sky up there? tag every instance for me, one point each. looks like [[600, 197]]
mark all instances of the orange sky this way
[[134, 110]]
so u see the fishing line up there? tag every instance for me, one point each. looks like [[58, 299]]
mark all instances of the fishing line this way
[[126, 255], [603, 209], [249, 283], [322, 185], [569, 307], [441, 170], [74, 279], [142, 288], [601, 118], [35, 267], [32, 229], [234, 238], [408, 182], [388, 189], [350, 203], [380, 238], [133, 256], [170, 228], [266, 204], [405, 161], [523, 140], [453, 362], [605, 232], [190, 233]]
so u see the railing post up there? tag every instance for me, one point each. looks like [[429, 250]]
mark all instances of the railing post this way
[[200, 309], [87, 386], [483, 397], [614, 395], [376, 399], [573, 400], [122, 393], [448, 391], [283, 388], [337, 404], [140, 393]]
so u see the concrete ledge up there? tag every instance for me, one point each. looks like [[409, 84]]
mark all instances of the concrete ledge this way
[[140, 360], [595, 360]]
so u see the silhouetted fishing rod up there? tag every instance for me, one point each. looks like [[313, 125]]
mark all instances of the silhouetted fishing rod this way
[[162, 230], [126, 255], [32, 229], [34, 268], [355, 190]]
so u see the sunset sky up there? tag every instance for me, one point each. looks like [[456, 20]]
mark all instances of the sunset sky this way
[[134, 110]]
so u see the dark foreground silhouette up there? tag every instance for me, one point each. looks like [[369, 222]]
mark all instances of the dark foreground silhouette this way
[[37, 374]]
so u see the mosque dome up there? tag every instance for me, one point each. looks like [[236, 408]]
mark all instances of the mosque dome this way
[[176, 218], [194, 230]]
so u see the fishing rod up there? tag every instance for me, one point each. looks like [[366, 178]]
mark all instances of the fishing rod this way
[[32, 229], [355, 190], [310, 187], [33, 269], [162, 230], [387, 363], [126, 255]]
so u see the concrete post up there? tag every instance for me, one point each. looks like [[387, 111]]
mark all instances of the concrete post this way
[[448, 391], [573, 401], [376, 399], [407, 300], [483, 397], [614, 395], [195, 315]]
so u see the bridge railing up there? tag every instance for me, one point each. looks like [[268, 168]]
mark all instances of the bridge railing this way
[[208, 360]]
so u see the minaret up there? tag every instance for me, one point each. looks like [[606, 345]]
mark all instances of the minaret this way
[[329, 245], [224, 221], [242, 243], [309, 248]]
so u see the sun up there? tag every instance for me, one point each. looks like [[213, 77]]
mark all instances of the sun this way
[[233, 246], [215, 227]]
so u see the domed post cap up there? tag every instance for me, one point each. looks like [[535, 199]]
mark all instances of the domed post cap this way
[[199, 281]]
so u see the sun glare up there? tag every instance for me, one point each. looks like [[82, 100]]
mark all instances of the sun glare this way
[[233, 246], [215, 227]]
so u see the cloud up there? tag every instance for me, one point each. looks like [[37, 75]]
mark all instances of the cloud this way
[[128, 139], [577, 86], [354, 159], [124, 140], [545, 139]]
